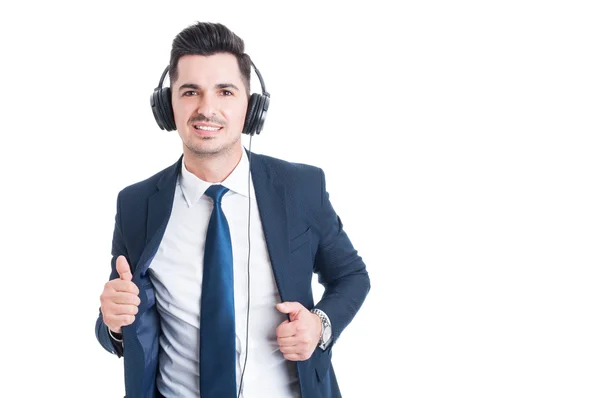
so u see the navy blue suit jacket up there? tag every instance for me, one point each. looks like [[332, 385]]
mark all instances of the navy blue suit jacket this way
[[303, 233]]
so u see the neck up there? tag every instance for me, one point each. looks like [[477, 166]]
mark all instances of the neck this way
[[213, 168]]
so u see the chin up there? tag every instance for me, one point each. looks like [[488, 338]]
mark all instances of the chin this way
[[208, 147]]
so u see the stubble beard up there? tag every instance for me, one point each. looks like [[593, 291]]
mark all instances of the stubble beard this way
[[200, 151]]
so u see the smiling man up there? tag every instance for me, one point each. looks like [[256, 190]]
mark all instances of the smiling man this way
[[210, 287]]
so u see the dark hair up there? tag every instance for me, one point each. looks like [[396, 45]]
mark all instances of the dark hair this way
[[205, 38]]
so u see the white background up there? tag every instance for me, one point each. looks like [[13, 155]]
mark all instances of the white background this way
[[460, 144]]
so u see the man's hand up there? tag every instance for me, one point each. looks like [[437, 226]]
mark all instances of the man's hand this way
[[299, 336], [120, 298]]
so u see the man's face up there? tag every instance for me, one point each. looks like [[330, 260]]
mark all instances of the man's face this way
[[209, 103]]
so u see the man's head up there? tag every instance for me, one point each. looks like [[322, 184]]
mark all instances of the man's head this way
[[210, 87]]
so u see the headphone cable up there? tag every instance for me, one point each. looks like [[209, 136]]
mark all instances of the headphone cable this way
[[248, 275]]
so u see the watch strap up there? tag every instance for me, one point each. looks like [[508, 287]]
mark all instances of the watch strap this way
[[325, 323]]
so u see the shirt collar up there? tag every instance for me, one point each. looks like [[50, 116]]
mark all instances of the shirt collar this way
[[193, 187]]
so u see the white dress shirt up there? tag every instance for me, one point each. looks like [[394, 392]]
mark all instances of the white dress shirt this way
[[176, 273]]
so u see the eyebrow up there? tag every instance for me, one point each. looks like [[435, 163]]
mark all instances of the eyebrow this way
[[217, 86]]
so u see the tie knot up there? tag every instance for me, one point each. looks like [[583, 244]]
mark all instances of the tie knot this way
[[216, 192]]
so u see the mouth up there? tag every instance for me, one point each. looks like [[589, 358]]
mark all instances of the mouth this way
[[206, 128]]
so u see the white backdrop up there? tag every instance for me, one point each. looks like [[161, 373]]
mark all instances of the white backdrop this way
[[460, 144]]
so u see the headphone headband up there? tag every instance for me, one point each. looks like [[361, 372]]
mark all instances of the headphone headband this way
[[262, 83]]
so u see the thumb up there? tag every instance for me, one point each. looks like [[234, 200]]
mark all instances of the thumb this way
[[123, 269], [291, 307]]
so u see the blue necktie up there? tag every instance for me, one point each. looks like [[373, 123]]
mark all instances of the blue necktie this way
[[217, 315]]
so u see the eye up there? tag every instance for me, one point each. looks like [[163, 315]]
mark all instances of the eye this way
[[189, 93], [226, 93]]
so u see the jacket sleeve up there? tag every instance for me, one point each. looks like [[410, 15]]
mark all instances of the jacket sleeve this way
[[118, 248], [340, 269]]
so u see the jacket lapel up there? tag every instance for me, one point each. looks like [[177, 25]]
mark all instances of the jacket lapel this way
[[160, 205], [271, 201]]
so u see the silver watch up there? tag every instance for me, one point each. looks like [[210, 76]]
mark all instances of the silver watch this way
[[326, 328]]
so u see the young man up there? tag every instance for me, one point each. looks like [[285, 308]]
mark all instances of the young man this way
[[201, 301]]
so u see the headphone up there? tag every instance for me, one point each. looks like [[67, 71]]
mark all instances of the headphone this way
[[160, 101]]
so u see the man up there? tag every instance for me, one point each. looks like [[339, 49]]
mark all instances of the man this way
[[202, 300]]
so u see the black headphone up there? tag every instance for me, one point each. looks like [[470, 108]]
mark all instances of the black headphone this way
[[160, 101]]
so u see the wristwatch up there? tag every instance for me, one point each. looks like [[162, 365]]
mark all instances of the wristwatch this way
[[325, 330]]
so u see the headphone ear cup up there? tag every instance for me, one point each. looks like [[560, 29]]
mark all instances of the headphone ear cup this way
[[162, 109], [155, 105], [167, 109], [261, 113], [250, 122]]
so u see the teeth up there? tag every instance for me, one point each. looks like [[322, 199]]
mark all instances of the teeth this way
[[206, 128]]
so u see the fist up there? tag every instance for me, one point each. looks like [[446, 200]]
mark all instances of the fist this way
[[120, 299], [298, 337]]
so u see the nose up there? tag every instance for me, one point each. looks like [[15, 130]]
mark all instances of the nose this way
[[206, 105]]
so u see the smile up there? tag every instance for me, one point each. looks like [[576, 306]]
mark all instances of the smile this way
[[206, 128]]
